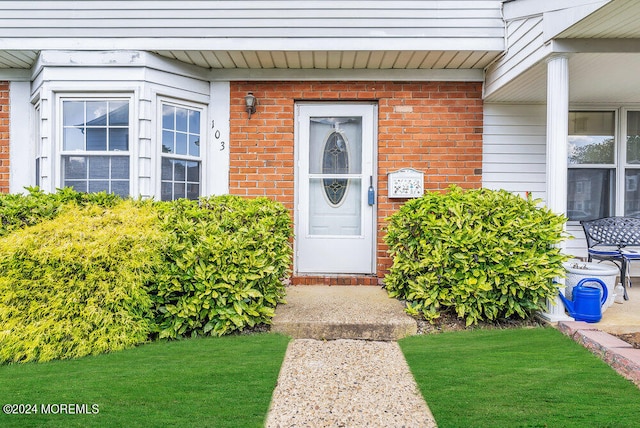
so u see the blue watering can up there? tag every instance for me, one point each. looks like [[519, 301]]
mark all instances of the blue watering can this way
[[587, 301]]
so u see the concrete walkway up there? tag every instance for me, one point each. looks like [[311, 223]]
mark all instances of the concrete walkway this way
[[345, 382], [342, 312]]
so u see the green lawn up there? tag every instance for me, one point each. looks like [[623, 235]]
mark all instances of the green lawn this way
[[518, 378], [212, 382]]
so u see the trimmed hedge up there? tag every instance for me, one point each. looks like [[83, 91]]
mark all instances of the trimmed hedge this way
[[76, 285], [86, 274], [21, 210], [225, 266], [484, 254]]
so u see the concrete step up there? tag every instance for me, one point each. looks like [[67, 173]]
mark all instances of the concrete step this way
[[342, 312]]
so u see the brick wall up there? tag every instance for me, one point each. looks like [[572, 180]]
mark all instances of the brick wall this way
[[4, 137], [435, 127]]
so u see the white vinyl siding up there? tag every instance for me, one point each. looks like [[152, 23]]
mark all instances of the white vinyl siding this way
[[459, 24], [514, 148]]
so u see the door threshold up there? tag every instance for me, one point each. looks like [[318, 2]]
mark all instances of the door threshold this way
[[335, 279]]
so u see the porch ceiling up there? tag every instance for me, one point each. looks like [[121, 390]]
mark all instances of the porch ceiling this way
[[593, 78]]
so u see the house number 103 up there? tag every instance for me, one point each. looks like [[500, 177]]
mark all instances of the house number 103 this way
[[216, 135]]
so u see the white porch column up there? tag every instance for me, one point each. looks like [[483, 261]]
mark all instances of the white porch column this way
[[557, 136]]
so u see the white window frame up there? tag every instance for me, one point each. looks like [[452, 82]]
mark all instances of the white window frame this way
[[61, 97], [161, 101]]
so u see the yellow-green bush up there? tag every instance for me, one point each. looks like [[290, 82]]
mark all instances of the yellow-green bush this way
[[76, 285]]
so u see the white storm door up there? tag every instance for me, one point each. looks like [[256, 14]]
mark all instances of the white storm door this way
[[335, 222]]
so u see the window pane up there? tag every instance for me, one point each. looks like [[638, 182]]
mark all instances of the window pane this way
[[194, 145], [591, 137], [96, 139], [167, 142], [193, 191], [167, 169], [119, 113], [73, 139], [78, 186], [590, 193], [73, 113], [181, 143], [194, 122], [120, 167], [97, 113], [633, 137], [193, 172], [632, 192], [168, 117], [181, 119], [179, 190], [166, 193], [99, 167], [180, 172], [119, 139], [120, 188], [75, 167], [98, 186]]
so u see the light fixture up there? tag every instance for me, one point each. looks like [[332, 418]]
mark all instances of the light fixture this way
[[250, 102]]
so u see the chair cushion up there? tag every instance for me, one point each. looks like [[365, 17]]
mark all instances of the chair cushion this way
[[630, 253], [602, 251]]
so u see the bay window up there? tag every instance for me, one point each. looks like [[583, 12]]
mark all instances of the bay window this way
[[95, 145], [181, 161]]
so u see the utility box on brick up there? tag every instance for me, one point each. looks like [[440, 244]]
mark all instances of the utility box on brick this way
[[406, 183]]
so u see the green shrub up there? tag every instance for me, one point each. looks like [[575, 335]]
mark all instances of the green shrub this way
[[485, 254], [75, 285], [223, 270], [20, 210]]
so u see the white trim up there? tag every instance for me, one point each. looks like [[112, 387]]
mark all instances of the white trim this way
[[486, 42], [21, 138], [217, 172], [420, 75], [15, 75]]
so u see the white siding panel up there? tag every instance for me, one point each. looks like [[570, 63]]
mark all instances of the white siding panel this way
[[463, 24], [514, 147]]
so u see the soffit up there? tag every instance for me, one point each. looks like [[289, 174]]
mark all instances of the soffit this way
[[616, 20], [411, 60], [593, 78]]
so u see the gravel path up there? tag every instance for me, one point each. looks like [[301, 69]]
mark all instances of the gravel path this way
[[346, 383]]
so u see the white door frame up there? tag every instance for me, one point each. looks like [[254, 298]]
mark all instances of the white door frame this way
[[369, 112]]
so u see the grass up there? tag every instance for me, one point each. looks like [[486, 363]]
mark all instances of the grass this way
[[212, 382], [518, 378]]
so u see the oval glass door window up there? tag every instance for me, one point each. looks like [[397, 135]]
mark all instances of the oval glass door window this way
[[335, 160]]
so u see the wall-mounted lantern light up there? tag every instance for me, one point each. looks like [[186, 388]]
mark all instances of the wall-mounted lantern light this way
[[250, 103]]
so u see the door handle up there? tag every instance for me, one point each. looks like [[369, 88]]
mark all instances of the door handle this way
[[371, 193]]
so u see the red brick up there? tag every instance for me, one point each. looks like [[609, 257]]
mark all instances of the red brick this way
[[440, 135]]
